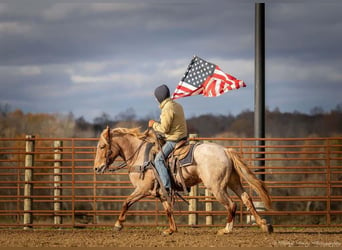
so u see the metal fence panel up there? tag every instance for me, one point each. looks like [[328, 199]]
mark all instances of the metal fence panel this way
[[50, 182]]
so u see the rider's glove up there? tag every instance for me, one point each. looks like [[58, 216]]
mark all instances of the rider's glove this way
[[150, 123]]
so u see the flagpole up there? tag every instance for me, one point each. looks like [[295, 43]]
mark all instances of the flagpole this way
[[259, 98], [259, 106]]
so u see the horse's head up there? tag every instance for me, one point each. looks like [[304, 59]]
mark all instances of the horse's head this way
[[106, 151]]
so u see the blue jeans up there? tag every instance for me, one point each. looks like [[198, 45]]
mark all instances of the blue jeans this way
[[160, 163]]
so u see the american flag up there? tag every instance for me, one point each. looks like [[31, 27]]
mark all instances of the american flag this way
[[205, 78]]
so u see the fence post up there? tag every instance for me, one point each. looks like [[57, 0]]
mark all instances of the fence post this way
[[57, 192], [193, 217], [29, 163], [193, 205], [328, 180], [208, 208]]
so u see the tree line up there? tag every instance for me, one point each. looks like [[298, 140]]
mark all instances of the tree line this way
[[16, 123]]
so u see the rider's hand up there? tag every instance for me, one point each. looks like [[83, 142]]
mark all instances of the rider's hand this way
[[150, 123]]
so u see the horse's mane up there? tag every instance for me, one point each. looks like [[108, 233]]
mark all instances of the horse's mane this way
[[131, 131], [147, 135]]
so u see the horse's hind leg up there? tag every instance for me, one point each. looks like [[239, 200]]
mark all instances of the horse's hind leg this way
[[222, 196], [236, 187]]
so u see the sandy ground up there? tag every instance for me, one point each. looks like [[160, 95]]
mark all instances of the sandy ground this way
[[185, 237]]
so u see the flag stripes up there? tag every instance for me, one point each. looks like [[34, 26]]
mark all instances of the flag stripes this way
[[207, 79]]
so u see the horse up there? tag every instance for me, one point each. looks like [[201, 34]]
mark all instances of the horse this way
[[217, 167]]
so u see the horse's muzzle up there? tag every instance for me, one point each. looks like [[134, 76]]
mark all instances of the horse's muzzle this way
[[101, 169]]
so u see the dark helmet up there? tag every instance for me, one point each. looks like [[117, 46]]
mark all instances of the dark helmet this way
[[161, 93]]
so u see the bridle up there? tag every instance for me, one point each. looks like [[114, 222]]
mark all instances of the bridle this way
[[109, 153]]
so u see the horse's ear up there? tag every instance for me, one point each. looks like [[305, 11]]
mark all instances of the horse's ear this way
[[108, 132]]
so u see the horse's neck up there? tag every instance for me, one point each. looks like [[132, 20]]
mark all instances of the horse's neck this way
[[130, 147]]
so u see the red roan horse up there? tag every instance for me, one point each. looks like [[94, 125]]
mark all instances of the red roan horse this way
[[217, 167]]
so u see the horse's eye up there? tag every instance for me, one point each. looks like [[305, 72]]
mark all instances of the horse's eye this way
[[102, 146]]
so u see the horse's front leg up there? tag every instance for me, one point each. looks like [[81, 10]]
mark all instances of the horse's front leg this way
[[169, 212], [134, 197]]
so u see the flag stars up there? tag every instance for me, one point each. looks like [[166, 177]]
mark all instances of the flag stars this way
[[198, 71], [202, 77]]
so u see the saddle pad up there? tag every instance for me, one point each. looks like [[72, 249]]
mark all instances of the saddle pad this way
[[189, 158]]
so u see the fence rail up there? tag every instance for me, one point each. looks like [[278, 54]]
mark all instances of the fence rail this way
[[50, 182]]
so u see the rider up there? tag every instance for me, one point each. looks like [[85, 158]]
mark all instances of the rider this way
[[173, 125]]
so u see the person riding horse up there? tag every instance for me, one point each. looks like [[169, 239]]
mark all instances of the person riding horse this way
[[172, 125]]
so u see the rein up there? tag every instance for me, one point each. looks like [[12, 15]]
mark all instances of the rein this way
[[109, 152]]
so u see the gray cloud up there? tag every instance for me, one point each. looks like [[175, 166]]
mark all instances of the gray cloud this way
[[92, 57], [305, 30]]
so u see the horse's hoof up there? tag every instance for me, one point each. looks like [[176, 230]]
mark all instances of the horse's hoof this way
[[268, 228], [167, 232], [223, 232], [117, 228]]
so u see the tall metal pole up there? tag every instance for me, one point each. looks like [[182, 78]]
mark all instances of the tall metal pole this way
[[259, 105]]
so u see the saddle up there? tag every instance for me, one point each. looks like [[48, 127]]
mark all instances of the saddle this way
[[183, 152], [180, 157]]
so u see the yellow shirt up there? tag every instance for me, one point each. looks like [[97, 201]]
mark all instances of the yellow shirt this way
[[172, 121]]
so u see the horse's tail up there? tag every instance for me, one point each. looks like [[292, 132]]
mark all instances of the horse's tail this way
[[244, 172]]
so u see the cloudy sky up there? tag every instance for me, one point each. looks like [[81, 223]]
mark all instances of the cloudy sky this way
[[90, 57]]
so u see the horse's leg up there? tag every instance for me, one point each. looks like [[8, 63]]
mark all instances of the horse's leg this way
[[216, 181], [169, 212], [222, 196], [235, 185], [134, 197]]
